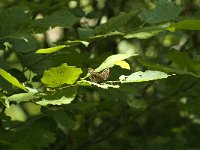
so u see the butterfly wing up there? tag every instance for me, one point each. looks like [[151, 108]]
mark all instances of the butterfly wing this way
[[105, 74], [98, 77]]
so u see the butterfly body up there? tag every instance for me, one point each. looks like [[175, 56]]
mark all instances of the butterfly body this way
[[98, 77]]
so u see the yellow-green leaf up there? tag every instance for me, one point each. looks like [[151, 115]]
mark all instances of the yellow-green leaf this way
[[59, 98], [112, 60], [51, 49], [100, 85], [69, 43], [57, 76], [11, 79], [190, 24], [140, 76], [123, 64]]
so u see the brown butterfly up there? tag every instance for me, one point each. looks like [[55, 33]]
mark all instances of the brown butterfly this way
[[98, 77]]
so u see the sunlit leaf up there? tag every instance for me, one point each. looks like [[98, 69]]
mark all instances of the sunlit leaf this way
[[109, 34], [143, 76], [4, 100], [123, 64], [69, 43], [50, 50], [101, 85], [185, 25], [144, 33], [57, 76], [11, 79], [65, 96], [112, 60], [23, 97]]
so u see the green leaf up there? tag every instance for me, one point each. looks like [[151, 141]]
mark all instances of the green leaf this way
[[181, 59], [24, 43], [185, 25], [165, 68], [11, 22], [112, 60], [115, 23], [4, 100], [70, 43], [85, 33], [6, 86], [57, 48], [11, 79], [57, 76], [63, 121], [140, 76], [62, 18], [109, 34], [164, 11], [144, 33], [37, 135], [50, 50], [102, 85], [184, 62], [137, 103], [65, 96], [4, 64], [23, 97]]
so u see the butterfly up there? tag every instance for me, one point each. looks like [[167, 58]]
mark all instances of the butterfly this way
[[98, 77]]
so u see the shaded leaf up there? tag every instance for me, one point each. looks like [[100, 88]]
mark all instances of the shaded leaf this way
[[86, 33], [63, 121], [6, 86], [62, 18], [137, 103], [184, 62], [11, 79], [167, 69], [164, 11], [115, 23], [143, 76], [57, 76], [24, 43], [39, 134], [11, 22]]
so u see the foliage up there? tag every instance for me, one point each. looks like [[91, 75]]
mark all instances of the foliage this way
[[149, 49]]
